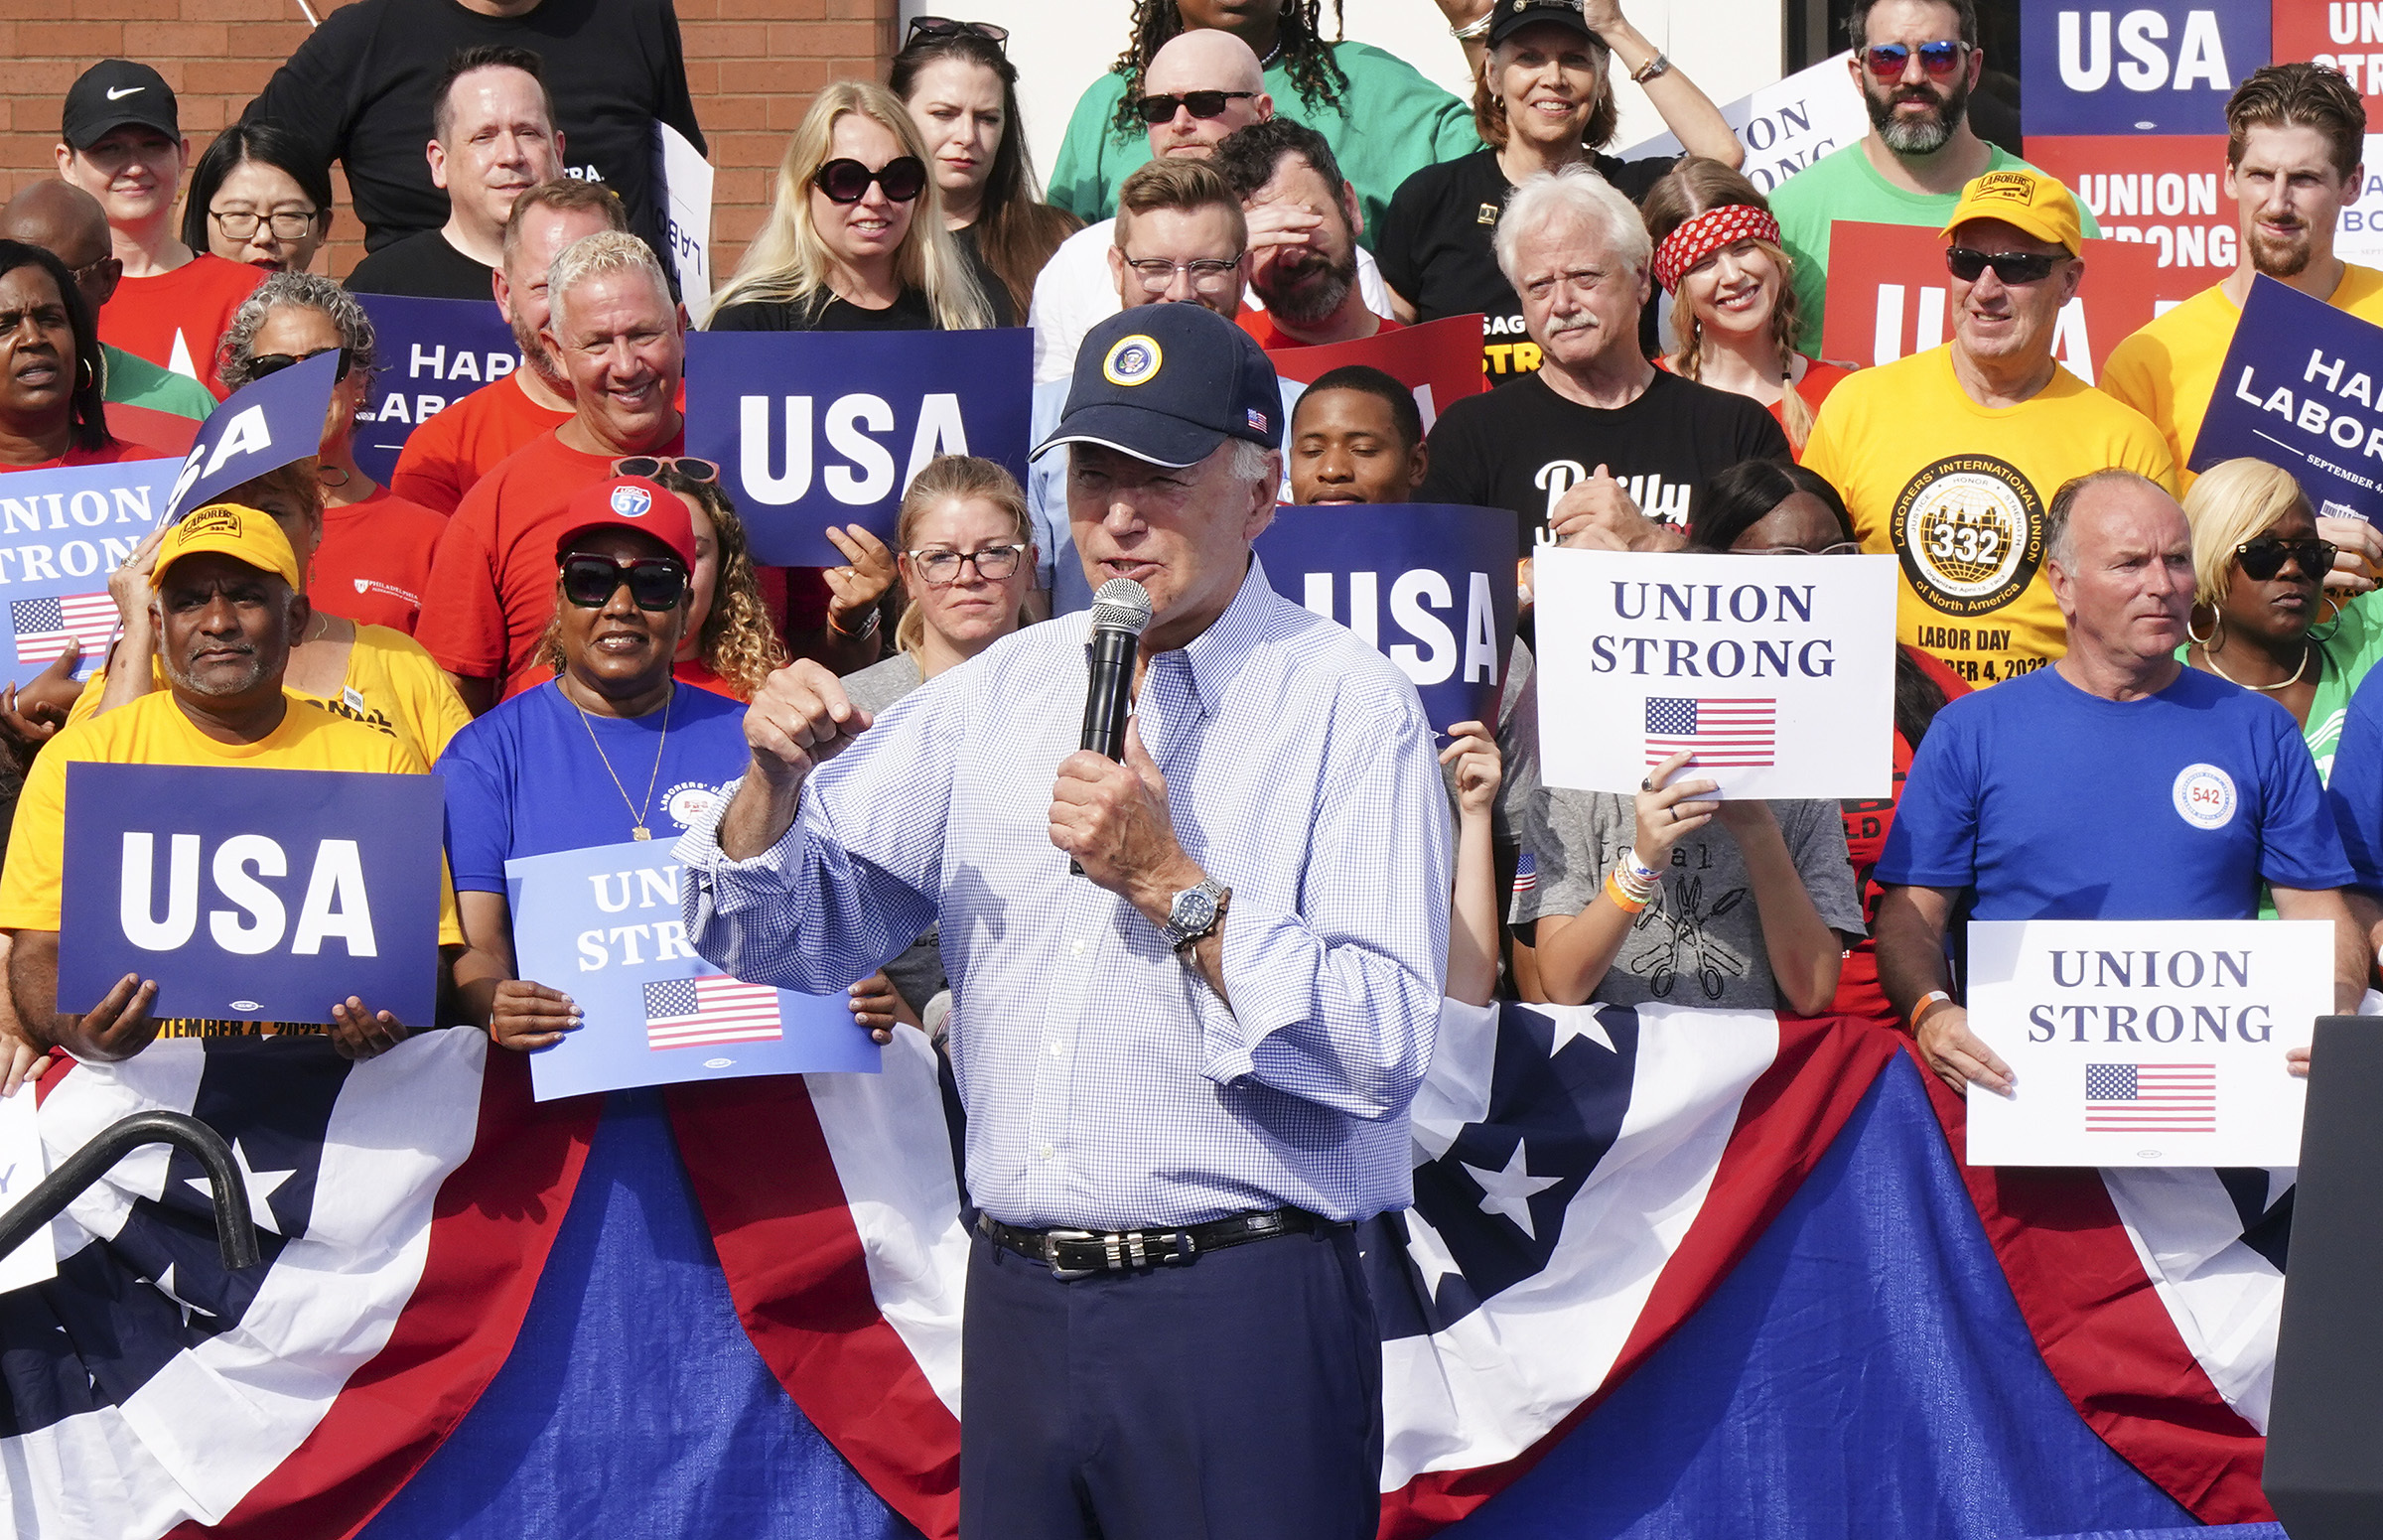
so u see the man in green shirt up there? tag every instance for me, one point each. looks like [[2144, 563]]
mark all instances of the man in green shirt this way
[[70, 225], [1382, 118], [1916, 62]]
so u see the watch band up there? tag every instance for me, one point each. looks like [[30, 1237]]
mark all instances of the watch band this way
[[1656, 66], [1225, 898]]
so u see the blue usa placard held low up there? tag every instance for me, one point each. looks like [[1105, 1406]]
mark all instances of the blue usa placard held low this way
[[602, 925], [252, 895]]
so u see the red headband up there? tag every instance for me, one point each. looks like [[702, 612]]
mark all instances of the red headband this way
[[1707, 233]]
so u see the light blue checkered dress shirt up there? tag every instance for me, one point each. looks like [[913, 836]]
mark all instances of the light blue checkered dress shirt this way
[[1107, 1086]]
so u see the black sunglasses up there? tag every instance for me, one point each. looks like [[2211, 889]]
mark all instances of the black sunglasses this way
[[945, 27], [701, 472], [1158, 109], [2013, 267], [846, 181], [264, 364], [656, 583], [1887, 60], [2264, 557]]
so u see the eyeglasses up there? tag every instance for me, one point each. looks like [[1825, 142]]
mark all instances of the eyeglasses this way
[[701, 472], [2012, 267], [264, 364], [1841, 548], [656, 583], [1208, 275], [89, 270], [2264, 557], [995, 563], [1158, 109], [945, 27], [240, 224], [1887, 60], [846, 181]]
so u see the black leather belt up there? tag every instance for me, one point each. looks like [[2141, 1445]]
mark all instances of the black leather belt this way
[[1072, 1254]]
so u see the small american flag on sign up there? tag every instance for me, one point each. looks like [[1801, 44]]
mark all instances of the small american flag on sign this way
[[1720, 733], [689, 1013], [42, 626], [2151, 1098]]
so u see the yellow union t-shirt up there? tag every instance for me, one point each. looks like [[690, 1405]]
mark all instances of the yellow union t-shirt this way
[[1957, 493], [154, 731], [2169, 370]]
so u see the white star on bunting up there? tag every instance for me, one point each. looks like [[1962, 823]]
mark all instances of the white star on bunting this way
[[261, 1186], [1509, 1192]]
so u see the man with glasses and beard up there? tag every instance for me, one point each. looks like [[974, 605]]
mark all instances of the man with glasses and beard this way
[[2294, 136], [1916, 62], [1949, 458], [1304, 223]]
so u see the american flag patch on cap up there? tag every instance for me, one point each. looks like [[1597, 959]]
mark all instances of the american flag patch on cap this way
[[1257, 419]]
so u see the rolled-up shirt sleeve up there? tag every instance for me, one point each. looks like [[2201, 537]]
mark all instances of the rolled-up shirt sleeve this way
[[851, 883], [1337, 1001]]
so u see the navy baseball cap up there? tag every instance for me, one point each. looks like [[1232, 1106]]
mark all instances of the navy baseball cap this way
[[1169, 383], [1515, 15], [114, 92]]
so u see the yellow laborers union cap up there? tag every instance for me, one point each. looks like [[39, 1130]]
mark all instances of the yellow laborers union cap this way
[[2029, 199], [241, 533]]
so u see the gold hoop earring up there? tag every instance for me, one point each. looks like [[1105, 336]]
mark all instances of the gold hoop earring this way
[[86, 377], [2334, 621], [2217, 629]]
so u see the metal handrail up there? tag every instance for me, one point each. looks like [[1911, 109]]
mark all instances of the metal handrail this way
[[235, 1226]]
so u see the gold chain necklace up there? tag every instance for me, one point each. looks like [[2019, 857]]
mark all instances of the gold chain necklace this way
[[2210, 658], [637, 815]]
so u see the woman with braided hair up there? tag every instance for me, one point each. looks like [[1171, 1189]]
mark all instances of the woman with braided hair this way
[[1332, 86], [1735, 311]]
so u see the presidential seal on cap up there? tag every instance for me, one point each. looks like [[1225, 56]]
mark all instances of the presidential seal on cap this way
[[1168, 385], [2027, 200], [243, 533], [113, 94]]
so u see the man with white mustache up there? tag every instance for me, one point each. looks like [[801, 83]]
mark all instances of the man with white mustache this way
[[2295, 135], [1595, 432]]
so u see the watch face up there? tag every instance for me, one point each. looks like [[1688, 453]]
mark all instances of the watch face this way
[[1193, 908]]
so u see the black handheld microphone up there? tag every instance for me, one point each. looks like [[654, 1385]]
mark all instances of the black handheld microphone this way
[[1120, 611]]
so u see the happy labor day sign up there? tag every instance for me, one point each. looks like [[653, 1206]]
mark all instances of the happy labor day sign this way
[[2300, 390], [1776, 672]]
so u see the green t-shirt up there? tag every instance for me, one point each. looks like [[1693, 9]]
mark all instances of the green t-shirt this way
[[1389, 123], [1843, 185], [133, 380]]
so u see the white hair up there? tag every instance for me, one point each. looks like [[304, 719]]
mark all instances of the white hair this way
[[597, 255], [1576, 192], [1252, 462]]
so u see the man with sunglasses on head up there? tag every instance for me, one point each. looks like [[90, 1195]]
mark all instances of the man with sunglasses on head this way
[[1915, 63], [1200, 88], [1948, 458], [614, 329]]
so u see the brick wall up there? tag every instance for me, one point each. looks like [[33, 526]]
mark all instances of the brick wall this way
[[752, 64]]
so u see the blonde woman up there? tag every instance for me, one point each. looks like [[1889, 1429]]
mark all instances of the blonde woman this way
[[1718, 255], [966, 549], [2261, 615], [856, 238]]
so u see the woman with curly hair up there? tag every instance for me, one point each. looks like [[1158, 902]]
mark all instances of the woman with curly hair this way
[[1735, 311], [1382, 118]]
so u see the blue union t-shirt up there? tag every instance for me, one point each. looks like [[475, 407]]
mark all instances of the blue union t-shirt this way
[[526, 780], [2057, 804]]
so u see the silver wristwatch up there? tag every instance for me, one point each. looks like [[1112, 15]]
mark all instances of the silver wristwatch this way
[[1194, 913]]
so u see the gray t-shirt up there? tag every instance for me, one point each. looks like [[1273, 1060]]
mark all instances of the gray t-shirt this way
[[1700, 943], [919, 972]]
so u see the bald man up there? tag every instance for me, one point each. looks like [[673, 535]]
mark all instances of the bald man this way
[[70, 225], [1076, 291]]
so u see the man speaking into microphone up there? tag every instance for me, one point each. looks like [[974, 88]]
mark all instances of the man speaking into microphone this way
[[1187, 1070]]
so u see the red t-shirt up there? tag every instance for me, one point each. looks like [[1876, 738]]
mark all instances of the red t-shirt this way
[[1260, 325], [107, 454], [373, 565], [175, 319], [492, 581], [1819, 380], [453, 449], [1866, 826], [164, 432]]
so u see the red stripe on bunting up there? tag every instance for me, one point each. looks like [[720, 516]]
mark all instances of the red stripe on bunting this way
[[2104, 1333], [494, 1222], [795, 1270], [1789, 1118]]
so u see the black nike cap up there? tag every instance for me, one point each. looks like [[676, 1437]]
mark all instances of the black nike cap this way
[[114, 92]]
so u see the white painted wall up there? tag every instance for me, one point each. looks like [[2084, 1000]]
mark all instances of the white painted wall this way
[[1729, 47]]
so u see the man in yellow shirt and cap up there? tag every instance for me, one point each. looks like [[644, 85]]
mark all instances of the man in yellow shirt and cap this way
[[228, 609], [1949, 458]]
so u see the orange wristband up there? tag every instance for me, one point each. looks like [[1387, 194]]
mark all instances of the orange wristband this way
[[1928, 1002]]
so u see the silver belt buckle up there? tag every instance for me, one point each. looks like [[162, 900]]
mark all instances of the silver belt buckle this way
[[1052, 1240]]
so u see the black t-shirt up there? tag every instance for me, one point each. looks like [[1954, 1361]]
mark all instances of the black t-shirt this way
[[1522, 447], [997, 293], [424, 267], [359, 91], [1435, 247], [907, 314]]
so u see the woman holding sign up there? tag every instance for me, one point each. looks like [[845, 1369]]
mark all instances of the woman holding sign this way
[[51, 375], [611, 750]]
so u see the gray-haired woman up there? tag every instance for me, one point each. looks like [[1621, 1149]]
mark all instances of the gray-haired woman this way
[[374, 559]]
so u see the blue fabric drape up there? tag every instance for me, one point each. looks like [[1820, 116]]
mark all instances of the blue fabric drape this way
[[1862, 1373]]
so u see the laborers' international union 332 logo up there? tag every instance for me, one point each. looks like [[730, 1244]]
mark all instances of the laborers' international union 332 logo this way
[[1969, 533]]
